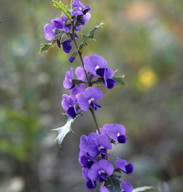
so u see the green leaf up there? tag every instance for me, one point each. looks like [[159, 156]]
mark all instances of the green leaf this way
[[89, 36], [113, 183], [119, 79], [45, 46], [63, 8], [143, 189]]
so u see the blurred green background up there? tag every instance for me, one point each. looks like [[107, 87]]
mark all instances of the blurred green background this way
[[143, 40]]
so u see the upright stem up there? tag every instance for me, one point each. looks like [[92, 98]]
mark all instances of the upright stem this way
[[88, 80], [94, 118]]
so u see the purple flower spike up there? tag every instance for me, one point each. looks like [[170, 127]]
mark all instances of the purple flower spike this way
[[115, 131], [124, 166], [69, 76], [94, 63], [127, 187], [88, 97], [69, 105]]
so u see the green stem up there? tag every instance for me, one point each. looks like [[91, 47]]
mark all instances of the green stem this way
[[88, 80]]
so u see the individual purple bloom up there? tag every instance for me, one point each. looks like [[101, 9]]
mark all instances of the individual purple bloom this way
[[94, 64], [57, 23], [67, 46], [88, 97], [76, 91], [86, 160], [71, 59], [124, 166], [115, 131], [89, 183], [80, 73], [103, 188], [69, 105], [98, 144], [49, 32], [49, 29], [69, 76], [126, 187], [99, 171], [108, 75]]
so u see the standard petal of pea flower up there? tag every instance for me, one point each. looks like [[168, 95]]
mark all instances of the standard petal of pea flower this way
[[62, 131]]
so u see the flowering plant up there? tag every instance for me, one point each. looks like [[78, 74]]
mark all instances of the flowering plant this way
[[84, 96]]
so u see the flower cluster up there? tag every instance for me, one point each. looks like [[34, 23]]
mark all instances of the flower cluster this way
[[80, 98], [84, 96], [94, 154], [61, 27]]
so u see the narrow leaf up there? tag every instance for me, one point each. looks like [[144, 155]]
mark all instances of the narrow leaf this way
[[90, 35], [113, 183], [143, 189], [63, 8], [45, 46], [119, 79]]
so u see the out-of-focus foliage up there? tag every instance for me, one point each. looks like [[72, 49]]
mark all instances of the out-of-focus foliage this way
[[143, 40]]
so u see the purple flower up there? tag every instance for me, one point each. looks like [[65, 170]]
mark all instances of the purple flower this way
[[98, 144], [124, 166], [80, 12], [115, 131], [88, 97], [108, 75], [80, 73], [127, 187], [95, 64], [67, 46], [69, 76], [69, 105], [99, 171], [76, 91], [49, 29], [71, 59], [89, 183], [103, 188]]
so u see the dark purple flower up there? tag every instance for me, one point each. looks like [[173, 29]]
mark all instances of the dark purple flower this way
[[71, 59], [76, 91], [80, 73], [124, 166], [115, 131], [126, 187], [95, 64], [88, 97], [98, 144], [67, 46], [99, 171], [69, 76], [89, 183], [80, 11], [86, 160], [69, 105], [108, 75]]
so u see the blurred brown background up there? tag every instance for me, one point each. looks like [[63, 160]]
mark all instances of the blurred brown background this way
[[144, 41]]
